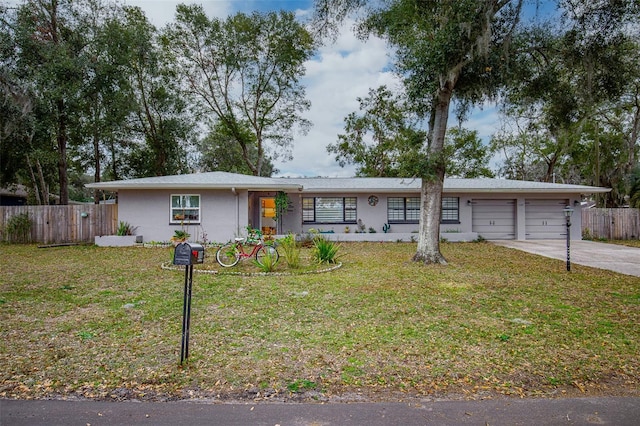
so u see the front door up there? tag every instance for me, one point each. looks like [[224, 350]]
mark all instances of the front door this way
[[268, 224]]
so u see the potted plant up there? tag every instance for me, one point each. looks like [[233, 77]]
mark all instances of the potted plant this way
[[179, 236]]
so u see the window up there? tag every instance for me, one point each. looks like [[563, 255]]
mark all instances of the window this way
[[185, 209], [407, 210], [403, 209], [450, 210], [329, 210]]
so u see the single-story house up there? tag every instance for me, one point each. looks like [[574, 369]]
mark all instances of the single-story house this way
[[13, 196], [218, 206]]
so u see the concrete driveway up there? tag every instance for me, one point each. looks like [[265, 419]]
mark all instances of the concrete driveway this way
[[621, 259]]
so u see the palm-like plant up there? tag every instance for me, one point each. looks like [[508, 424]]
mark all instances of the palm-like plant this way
[[180, 236]]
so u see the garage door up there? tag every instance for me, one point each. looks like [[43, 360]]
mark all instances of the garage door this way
[[494, 219], [544, 219]]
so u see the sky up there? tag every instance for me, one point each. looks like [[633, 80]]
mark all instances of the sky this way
[[336, 76]]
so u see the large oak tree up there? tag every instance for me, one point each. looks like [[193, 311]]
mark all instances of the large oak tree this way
[[443, 50]]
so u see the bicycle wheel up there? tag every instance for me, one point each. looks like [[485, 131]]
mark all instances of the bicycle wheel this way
[[227, 255], [265, 251]]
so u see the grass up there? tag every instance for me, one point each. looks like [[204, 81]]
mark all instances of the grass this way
[[106, 323], [629, 243]]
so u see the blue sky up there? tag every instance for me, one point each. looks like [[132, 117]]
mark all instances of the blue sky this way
[[336, 76]]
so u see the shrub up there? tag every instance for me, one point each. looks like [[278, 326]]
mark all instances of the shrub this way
[[180, 235], [290, 250], [324, 251], [18, 229], [124, 228], [267, 262], [306, 239]]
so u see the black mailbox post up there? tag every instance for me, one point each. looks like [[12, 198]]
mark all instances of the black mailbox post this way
[[187, 254]]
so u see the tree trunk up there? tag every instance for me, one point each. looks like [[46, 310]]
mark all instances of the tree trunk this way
[[432, 183], [96, 164], [62, 153], [429, 242], [36, 190], [43, 185]]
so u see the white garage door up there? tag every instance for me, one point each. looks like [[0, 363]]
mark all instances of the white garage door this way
[[494, 219], [544, 219]]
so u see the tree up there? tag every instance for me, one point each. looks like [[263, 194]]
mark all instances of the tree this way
[[469, 50], [382, 140], [530, 149], [378, 139], [244, 72], [105, 100], [49, 41], [160, 118], [574, 92], [219, 152], [634, 192], [467, 155], [443, 49]]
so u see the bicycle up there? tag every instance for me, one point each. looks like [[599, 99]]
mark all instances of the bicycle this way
[[233, 252]]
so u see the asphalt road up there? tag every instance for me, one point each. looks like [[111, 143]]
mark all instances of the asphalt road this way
[[564, 411]]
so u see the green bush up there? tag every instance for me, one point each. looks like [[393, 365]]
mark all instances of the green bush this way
[[124, 228], [325, 251], [267, 262], [290, 250], [18, 229]]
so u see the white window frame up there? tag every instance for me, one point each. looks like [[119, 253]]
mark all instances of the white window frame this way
[[174, 216]]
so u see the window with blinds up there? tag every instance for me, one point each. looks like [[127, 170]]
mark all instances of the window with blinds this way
[[407, 210], [329, 210], [403, 209], [450, 210]]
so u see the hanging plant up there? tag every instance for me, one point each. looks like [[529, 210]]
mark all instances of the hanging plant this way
[[282, 204]]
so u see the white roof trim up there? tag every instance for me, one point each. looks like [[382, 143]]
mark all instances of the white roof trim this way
[[224, 180], [211, 180]]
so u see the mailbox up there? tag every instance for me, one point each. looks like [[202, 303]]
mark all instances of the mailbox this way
[[188, 254]]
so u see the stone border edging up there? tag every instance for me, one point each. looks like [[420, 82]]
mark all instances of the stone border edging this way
[[170, 267]]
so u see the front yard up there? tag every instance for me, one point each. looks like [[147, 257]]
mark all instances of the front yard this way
[[106, 323]]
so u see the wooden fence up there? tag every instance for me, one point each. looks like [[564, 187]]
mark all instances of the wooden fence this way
[[611, 224], [60, 224]]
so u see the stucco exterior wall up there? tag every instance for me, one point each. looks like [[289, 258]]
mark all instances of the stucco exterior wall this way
[[223, 214], [226, 213], [376, 216]]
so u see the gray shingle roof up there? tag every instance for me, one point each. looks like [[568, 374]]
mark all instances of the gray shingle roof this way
[[224, 180], [450, 185], [211, 180]]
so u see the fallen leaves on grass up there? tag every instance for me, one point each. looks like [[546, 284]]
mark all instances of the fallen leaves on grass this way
[[105, 323]]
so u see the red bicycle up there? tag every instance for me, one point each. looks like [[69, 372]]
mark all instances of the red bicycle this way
[[231, 253]]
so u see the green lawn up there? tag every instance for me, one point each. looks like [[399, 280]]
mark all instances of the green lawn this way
[[106, 323]]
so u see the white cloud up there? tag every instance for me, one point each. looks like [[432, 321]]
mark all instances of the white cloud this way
[[338, 74], [161, 12]]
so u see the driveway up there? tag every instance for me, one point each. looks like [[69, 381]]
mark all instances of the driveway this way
[[617, 258]]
